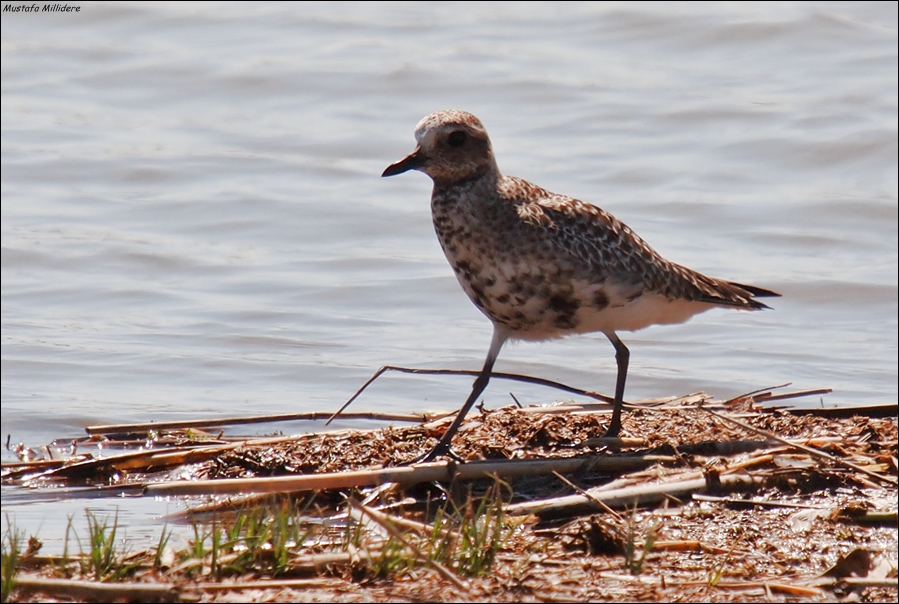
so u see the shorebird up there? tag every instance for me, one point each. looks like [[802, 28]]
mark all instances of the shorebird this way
[[541, 265]]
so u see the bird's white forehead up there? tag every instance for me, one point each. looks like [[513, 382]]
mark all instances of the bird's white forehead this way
[[441, 119]]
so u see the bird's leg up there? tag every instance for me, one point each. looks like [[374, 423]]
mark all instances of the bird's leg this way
[[480, 383], [622, 355]]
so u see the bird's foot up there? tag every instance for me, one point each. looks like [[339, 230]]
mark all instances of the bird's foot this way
[[613, 430], [436, 452]]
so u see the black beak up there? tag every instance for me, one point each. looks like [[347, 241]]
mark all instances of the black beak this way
[[413, 161]]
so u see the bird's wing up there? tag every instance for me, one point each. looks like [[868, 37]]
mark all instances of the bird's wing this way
[[607, 248]]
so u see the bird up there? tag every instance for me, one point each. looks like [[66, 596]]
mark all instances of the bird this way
[[541, 265]]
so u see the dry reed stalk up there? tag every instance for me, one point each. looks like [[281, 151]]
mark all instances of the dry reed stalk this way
[[405, 476], [252, 419], [92, 591], [629, 496], [809, 450]]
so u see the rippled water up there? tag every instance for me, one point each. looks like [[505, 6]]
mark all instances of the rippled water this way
[[193, 223]]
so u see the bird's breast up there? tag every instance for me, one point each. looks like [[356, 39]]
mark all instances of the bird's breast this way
[[527, 292]]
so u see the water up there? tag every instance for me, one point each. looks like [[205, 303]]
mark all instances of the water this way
[[193, 223]]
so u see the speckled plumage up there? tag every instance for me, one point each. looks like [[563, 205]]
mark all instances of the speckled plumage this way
[[542, 265]]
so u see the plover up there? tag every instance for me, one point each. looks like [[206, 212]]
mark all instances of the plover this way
[[541, 265]]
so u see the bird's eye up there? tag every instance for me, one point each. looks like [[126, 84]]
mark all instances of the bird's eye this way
[[456, 139]]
